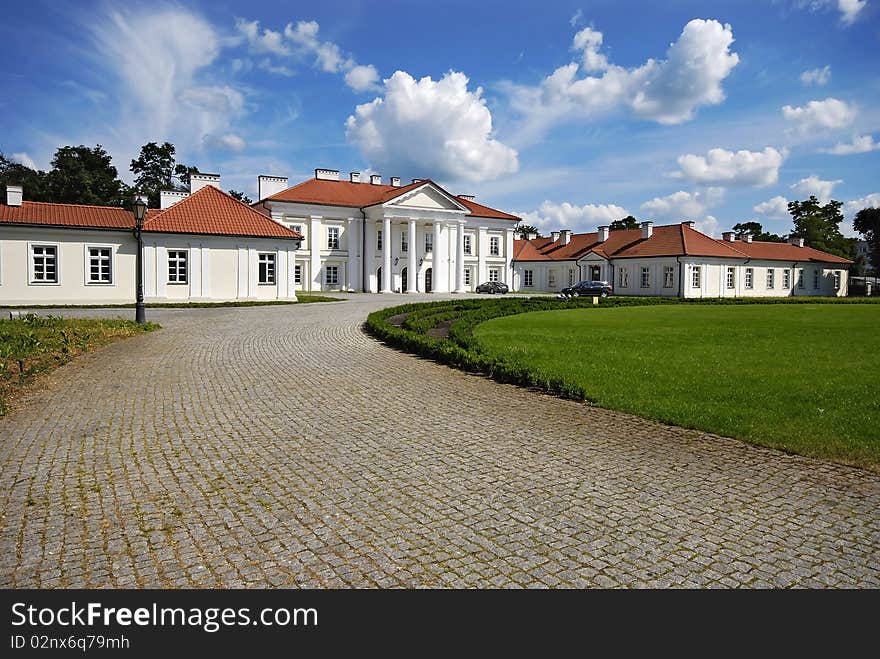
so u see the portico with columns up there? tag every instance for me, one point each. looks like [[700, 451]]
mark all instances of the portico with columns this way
[[372, 237]]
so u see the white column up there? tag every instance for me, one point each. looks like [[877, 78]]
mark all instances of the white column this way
[[459, 259], [508, 257], [315, 238], [352, 240], [253, 273], [368, 256], [243, 273], [482, 250], [437, 273], [161, 271], [386, 255], [291, 282], [412, 276], [281, 274]]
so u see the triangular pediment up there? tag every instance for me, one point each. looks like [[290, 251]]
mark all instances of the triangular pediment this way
[[428, 196]]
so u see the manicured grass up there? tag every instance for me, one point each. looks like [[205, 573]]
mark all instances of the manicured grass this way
[[803, 378], [32, 344], [301, 299]]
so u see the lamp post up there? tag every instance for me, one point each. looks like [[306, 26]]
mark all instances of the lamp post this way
[[140, 210]]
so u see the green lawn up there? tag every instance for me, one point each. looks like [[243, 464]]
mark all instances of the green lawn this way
[[803, 378]]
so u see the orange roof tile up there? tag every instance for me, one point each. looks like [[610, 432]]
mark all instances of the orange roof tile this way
[[67, 215], [785, 252], [210, 211], [361, 195]]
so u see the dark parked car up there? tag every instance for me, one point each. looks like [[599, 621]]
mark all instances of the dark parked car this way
[[492, 287], [600, 288]]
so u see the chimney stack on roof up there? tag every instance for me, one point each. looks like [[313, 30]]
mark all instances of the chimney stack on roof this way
[[565, 236], [395, 181], [647, 229], [14, 195], [269, 185], [603, 233], [554, 235], [469, 197], [728, 236], [375, 179], [327, 174], [796, 241], [167, 198], [417, 180], [532, 236], [746, 237], [354, 177], [197, 181], [688, 223]]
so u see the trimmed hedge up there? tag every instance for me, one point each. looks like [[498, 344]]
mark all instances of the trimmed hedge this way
[[460, 350]]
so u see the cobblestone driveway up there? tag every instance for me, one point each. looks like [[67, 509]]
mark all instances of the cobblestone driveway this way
[[280, 446]]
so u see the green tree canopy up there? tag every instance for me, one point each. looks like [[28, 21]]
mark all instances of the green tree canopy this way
[[867, 223], [628, 222], [33, 181], [819, 225], [523, 230], [82, 175], [156, 169], [757, 231], [241, 196]]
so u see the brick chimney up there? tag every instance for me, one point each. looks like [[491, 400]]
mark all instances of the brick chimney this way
[[354, 177], [327, 174], [197, 181], [376, 179], [554, 235], [269, 185], [603, 233], [565, 236], [729, 236], [647, 229], [14, 195]]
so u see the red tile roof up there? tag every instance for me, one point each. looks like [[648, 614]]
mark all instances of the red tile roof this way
[[210, 211], [67, 215], [666, 240], [361, 195]]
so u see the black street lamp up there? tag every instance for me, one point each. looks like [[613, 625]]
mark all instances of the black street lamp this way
[[140, 211]]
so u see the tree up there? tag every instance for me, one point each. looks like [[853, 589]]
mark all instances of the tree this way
[[241, 196], [156, 169], [81, 175], [867, 223], [33, 181], [523, 230], [757, 232], [629, 222], [819, 225]]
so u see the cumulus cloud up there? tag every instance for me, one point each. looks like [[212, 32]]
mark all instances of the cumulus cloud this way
[[775, 208], [722, 167], [859, 144], [682, 205], [708, 225], [328, 56], [816, 76], [362, 78], [226, 142], [24, 159], [868, 201], [828, 114], [447, 129], [668, 91], [267, 41], [849, 9], [550, 215], [576, 18], [813, 185]]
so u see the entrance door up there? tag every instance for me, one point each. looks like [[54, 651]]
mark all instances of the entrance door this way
[[429, 280], [595, 272], [403, 281], [379, 280]]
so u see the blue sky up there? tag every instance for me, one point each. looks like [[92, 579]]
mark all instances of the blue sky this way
[[571, 114]]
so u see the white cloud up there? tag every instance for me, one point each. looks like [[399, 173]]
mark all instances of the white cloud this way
[[830, 113], [668, 91], [328, 56], [576, 18], [447, 129], [278, 69], [868, 201], [682, 205], [708, 225], [720, 166], [267, 41], [550, 215], [859, 144], [226, 142], [813, 185], [362, 78], [816, 76], [24, 159], [775, 208], [850, 10]]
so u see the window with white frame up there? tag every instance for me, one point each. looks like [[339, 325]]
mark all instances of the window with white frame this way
[[696, 277], [646, 277], [297, 274], [800, 278], [332, 237], [331, 275], [750, 277], [837, 280], [528, 277], [493, 274], [467, 276], [624, 277], [668, 276], [816, 279], [429, 242], [404, 242], [44, 261], [494, 246], [571, 276], [771, 279], [467, 244], [551, 279], [731, 277], [786, 279], [266, 268], [99, 269], [177, 266], [378, 240]]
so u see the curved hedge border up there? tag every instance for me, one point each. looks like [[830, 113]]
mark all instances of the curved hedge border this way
[[461, 350]]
